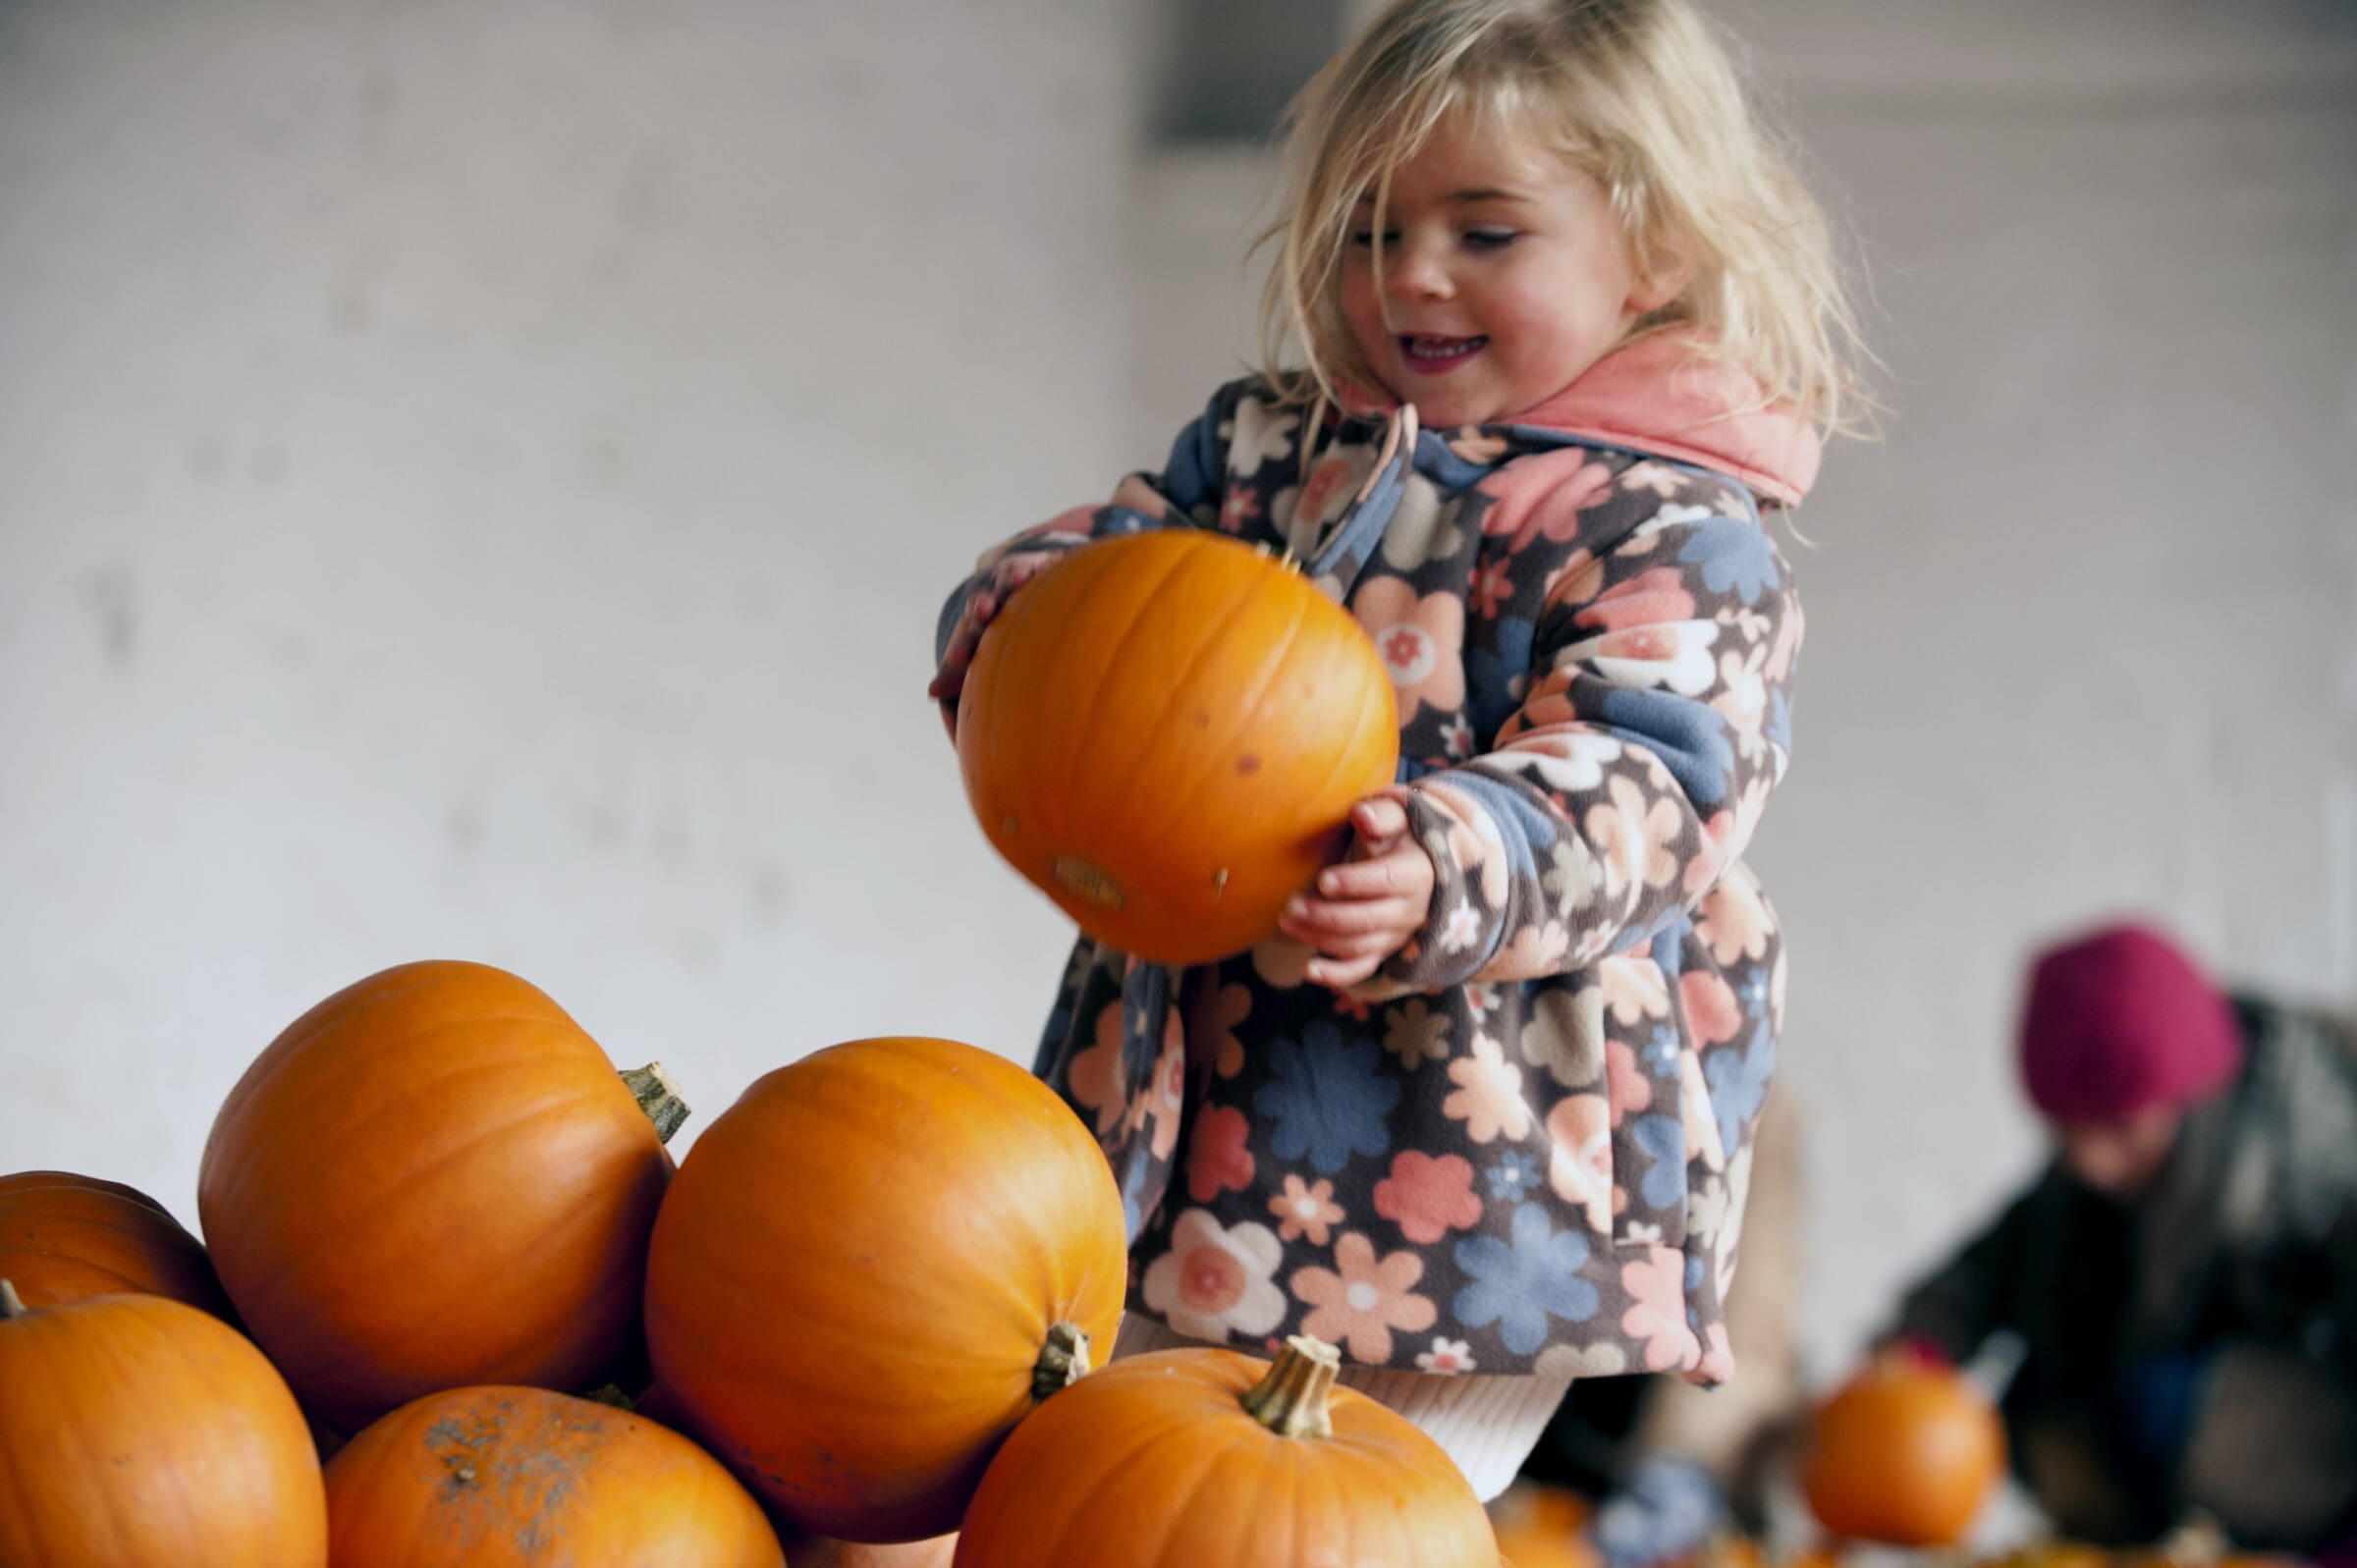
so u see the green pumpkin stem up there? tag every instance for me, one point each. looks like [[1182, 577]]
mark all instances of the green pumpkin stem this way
[[1290, 1400], [658, 1097], [1063, 1361], [11, 1305]]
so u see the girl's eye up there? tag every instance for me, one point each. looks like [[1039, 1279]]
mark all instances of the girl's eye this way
[[1365, 238], [1490, 239]]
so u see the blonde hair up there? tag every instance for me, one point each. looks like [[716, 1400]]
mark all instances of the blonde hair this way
[[1640, 96]]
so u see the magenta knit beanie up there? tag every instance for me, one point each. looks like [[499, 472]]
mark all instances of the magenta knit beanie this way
[[2119, 1019]]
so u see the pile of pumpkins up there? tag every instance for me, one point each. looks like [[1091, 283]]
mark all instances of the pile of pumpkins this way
[[856, 1325]]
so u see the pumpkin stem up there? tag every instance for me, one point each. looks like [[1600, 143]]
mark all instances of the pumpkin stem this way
[[1290, 1400], [1063, 1361], [611, 1393], [658, 1097], [11, 1305]]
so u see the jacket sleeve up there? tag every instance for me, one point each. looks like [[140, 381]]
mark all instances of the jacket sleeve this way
[[1187, 492], [1654, 722], [1959, 1304]]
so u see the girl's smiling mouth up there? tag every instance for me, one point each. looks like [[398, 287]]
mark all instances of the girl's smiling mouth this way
[[1425, 352]]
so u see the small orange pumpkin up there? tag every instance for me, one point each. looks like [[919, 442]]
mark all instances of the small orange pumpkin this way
[[434, 1178], [137, 1431], [1905, 1454], [1543, 1526], [64, 1237], [870, 1268], [1185, 1457], [480, 1477], [1166, 732]]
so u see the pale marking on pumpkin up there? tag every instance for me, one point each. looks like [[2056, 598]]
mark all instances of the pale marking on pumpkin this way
[[1087, 881], [1219, 885], [1007, 826]]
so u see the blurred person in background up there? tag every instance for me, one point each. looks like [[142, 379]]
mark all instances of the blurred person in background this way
[[2182, 1276]]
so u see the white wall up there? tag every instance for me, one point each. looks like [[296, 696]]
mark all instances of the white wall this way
[[476, 481]]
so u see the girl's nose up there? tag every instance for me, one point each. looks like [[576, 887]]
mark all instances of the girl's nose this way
[[1417, 273]]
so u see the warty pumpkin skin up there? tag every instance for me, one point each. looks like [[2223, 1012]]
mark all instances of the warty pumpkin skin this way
[[137, 1431], [1185, 1457], [873, 1264], [1166, 732], [1905, 1453], [490, 1476], [432, 1178], [64, 1237]]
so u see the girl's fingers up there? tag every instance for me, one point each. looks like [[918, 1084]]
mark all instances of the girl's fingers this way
[[1379, 817], [1317, 921], [1386, 876], [1339, 973]]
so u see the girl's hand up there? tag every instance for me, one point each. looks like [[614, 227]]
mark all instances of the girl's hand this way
[[1012, 571], [1364, 908]]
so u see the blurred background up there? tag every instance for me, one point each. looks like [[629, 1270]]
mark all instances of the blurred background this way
[[476, 480]]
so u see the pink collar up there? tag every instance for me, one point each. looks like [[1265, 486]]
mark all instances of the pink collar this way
[[1663, 396]]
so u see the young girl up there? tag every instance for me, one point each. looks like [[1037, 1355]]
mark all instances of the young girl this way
[[1561, 323]]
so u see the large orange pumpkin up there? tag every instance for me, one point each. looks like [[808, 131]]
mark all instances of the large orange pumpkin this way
[[1905, 1454], [433, 1178], [136, 1432], [1166, 732], [477, 1478], [1186, 1457], [64, 1237], [873, 1264]]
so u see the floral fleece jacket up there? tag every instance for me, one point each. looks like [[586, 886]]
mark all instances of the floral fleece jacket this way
[[1523, 1146]]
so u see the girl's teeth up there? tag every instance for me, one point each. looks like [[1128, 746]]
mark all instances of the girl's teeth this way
[[1440, 347]]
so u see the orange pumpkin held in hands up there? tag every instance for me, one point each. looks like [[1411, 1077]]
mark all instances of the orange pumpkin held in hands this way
[[1185, 1457], [64, 1237], [430, 1179], [1166, 732], [1905, 1454], [870, 1268], [136, 1432], [481, 1478]]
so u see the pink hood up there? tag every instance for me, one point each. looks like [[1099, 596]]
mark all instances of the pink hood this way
[[1655, 395]]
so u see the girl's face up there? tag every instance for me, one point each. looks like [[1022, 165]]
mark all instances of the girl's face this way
[[1504, 274]]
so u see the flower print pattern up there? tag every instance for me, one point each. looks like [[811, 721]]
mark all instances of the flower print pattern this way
[[1446, 1358], [1216, 1281], [1489, 1095], [1326, 1098], [1218, 1157], [1735, 922], [1421, 642], [1566, 1037], [1580, 1156], [1657, 1310], [1358, 1301], [1739, 1083], [1635, 990], [1426, 1197], [1713, 1013], [1305, 1210], [1523, 1280], [1557, 1076], [1415, 1033], [1513, 1174]]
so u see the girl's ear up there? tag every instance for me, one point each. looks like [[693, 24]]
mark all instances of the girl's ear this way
[[1659, 279]]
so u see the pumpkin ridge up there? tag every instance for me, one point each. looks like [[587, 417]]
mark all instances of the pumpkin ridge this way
[[1084, 711], [1207, 644], [1244, 713]]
